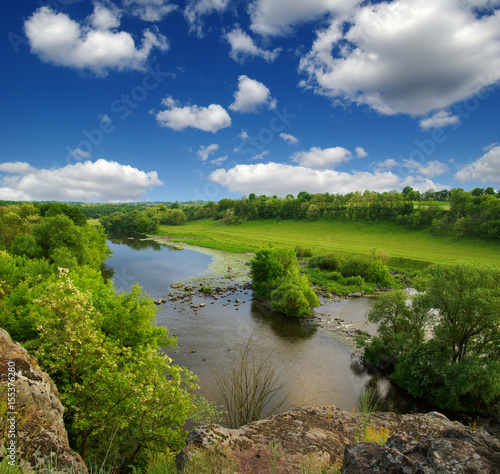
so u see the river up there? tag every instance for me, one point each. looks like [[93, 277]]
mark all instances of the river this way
[[315, 364]]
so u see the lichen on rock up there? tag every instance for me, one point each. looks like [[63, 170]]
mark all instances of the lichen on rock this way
[[323, 438], [40, 437]]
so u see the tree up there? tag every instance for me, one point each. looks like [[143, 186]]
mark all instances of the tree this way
[[467, 299], [123, 398], [458, 367], [402, 320], [276, 277]]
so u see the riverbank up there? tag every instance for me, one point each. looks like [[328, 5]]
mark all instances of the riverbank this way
[[227, 268]]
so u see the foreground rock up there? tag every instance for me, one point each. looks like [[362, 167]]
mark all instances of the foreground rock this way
[[313, 439], [40, 437]]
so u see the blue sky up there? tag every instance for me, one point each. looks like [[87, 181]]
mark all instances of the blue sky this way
[[165, 100]]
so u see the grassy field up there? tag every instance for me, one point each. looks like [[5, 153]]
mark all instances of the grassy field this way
[[407, 248]]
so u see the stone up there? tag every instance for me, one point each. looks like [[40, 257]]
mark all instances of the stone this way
[[323, 438], [39, 431]]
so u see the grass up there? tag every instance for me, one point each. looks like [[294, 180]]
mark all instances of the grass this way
[[408, 249]]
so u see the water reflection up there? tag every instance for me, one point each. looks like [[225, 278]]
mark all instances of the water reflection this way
[[289, 329]]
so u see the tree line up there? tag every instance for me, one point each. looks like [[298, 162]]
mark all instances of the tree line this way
[[456, 212]]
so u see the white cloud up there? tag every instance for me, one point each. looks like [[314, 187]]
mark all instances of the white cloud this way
[[290, 139], [429, 169], [322, 158], [16, 167], [485, 169], [282, 179], [387, 164], [150, 10], [276, 17], [244, 135], [360, 152], [439, 120], [99, 181], [205, 151], [406, 56], [105, 18], [243, 47], [58, 39], [209, 119], [197, 9], [219, 160], [251, 96]]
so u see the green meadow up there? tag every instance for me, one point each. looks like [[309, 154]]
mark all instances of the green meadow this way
[[407, 248]]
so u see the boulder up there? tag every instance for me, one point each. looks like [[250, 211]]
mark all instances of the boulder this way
[[40, 437], [323, 438]]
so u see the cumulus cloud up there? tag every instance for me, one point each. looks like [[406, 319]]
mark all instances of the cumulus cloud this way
[[318, 158], [205, 151], [197, 9], [429, 169], [406, 56], [243, 47], [95, 45], [439, 120], [99, 181], [209, 119], [105, 18], [17, 167], [276, 17], [251, 96], [360, 152], [290, 139], [282, 179], [485, 169], [150, 10]]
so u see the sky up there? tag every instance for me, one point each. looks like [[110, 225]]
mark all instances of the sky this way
[[165, 100]]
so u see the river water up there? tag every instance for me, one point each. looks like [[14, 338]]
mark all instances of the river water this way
[[316, 365]]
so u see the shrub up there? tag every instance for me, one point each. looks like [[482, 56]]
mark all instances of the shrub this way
[[294, 297], [270, 265], [380, 274], [326, 262], [355, 281], [303, 252], [356, 266], [335, 276]]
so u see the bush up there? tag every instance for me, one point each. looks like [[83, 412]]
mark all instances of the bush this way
[[294, 297], [303, 252], [270, 265], [335, 276], [357, 281], [326, 262], [380, 274], [356, 266]]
